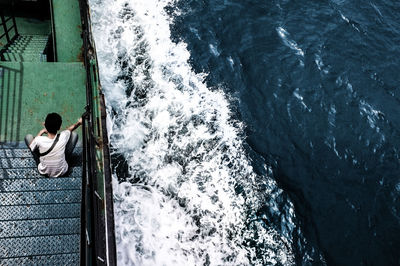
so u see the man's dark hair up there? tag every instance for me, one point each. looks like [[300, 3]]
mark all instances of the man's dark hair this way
[[53, 122]]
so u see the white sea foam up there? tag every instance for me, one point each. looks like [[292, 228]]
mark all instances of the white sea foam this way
[[191, 194], [214, 50], [289, 42]]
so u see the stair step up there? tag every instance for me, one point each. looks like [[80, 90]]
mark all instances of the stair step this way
[[15, 153], [25, 38], [42, 245], [39, 197], [31, 43], [32, 39], [40, 184], [30, 48], [25, 43], [28, 45], [23, 58], [27, 48], [17, 173], [32, 36], [59, 259], [47, 211], [17, 163], [24, 52], [29, 228], [41, 44]]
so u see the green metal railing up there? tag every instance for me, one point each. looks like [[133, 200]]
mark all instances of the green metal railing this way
[[97, 236]]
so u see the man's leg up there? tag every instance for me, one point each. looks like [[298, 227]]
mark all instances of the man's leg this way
[[69, 148], [28, 140]]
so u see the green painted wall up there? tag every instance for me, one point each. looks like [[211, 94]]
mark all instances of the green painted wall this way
[[30, 26]]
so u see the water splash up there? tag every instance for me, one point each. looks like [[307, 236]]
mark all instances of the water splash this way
[[191, 195]]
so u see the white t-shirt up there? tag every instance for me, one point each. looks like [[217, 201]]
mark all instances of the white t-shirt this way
[[54, 163]]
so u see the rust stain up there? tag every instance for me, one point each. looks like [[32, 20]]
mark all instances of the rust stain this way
[[67, 109], [99, 142], [45, 94], [80, 55]]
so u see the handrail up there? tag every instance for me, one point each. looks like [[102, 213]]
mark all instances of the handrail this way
[[4, 23], [88, 227], [53, 31], [98, 240]]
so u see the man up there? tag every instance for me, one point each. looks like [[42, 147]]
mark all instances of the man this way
[[50, 152]]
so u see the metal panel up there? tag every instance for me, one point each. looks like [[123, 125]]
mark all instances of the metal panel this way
[[40, 211], [42, 184], [60, 259], [15, 153], [43, 245], [40, 197], [17, 163], [33, 173], [29, 228]]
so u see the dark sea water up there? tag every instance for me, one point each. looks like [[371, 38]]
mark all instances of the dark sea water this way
[[317, 85], [253, 132]]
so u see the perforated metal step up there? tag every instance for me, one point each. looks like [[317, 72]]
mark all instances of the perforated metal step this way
[[60, 259], [39, 216], [40, 184], [41, 245], [29, 48], [28, 228], [23, 173], [25, 57], [40, 197], [17, 163], [47, 211]]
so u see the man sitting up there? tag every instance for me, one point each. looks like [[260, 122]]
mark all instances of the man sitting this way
[[50, 152]]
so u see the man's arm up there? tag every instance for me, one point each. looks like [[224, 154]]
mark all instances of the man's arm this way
[[41, 132], [76, 125]]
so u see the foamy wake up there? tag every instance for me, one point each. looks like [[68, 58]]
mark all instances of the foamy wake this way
[[191, 195]]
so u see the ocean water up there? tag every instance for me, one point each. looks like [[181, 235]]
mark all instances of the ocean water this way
[[253, 132]]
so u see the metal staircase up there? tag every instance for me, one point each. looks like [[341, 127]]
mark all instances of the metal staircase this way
[[27, 48], [20, 48], [39, 216]]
